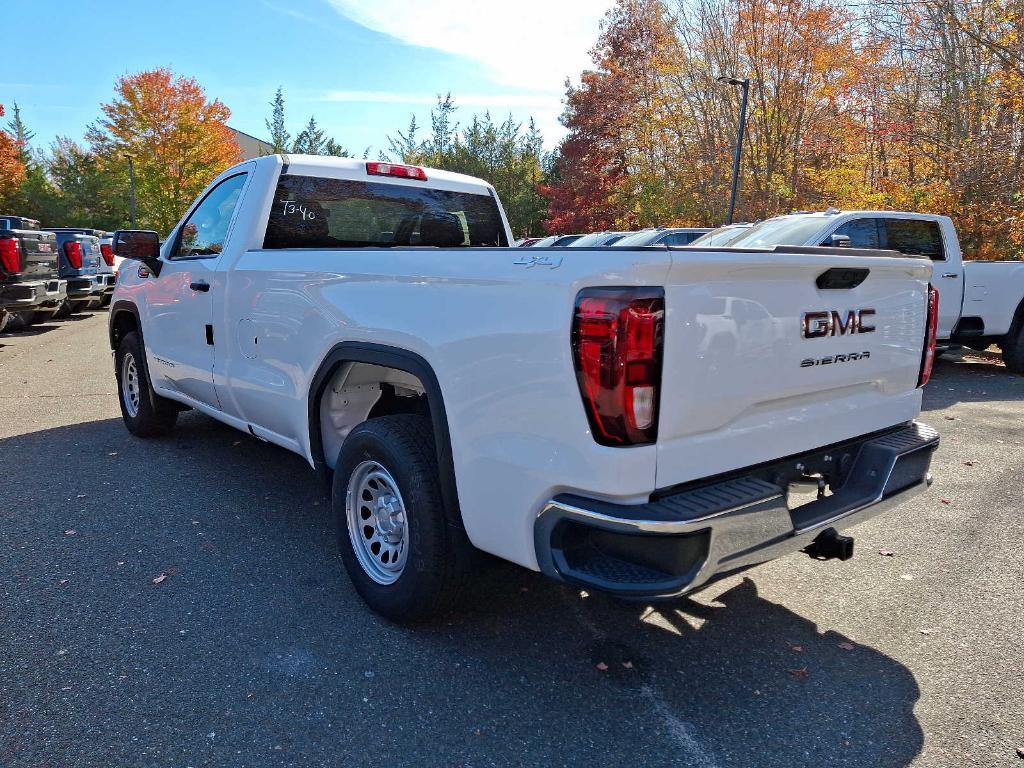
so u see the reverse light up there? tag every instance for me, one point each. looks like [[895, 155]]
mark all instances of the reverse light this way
[[107, 252], [73, 252], [931, 332], [394, 169], [10, 256], [617, 339]]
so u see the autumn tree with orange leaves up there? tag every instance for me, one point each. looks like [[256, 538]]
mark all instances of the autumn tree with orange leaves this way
[[12, 169], [179, 141], [901, 106]]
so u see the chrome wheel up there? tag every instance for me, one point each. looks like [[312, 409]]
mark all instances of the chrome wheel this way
[[130, 384], [377, 523]]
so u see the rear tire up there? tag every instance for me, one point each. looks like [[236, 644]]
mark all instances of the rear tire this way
[[403, 556], [27, 318], [1013, 345], [145, 413], [63, 311]]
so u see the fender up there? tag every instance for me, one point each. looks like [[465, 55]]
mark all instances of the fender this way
[[119, 306], [403, 360]]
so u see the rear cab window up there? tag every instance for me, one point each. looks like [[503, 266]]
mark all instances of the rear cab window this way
[[318, 212], [919, 237]]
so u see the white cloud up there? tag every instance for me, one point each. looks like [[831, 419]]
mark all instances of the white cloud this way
[[528, 44]]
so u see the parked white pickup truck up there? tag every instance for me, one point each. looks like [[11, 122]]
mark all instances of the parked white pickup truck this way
[[634, 420], [980, 302]]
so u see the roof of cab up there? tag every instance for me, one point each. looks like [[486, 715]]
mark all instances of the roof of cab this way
[[354, 168]]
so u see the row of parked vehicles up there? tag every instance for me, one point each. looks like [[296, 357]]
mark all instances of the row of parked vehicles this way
[[51, 273], [655, 236], [980, 303]]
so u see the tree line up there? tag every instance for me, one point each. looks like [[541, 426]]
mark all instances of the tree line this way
[[906, 104], [178, 140]]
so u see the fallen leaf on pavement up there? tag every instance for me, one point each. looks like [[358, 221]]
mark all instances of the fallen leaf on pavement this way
[[945, 501], [1020, 752], [846, 646], [926, 631], [798, 674], [602, 666], [627, 664], [886, 553], [950, 418], [112, 454], [237, 442], [969, 463], [70, 532], [160, 578], [795, 648], [63, 581]]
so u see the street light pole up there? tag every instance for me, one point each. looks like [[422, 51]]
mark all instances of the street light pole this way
[[745, 85], [131, 188]]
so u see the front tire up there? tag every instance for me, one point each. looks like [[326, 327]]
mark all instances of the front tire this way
[[145, 413], [403, 557]]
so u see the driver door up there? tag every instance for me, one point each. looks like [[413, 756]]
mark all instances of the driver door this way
[[180, 333]]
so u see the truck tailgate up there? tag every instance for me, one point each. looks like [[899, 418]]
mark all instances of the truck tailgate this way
[[741, 384]]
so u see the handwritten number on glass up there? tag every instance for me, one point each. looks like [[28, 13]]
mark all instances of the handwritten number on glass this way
[[293, 207]]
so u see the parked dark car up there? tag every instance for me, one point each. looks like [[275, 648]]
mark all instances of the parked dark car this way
[[556, 241], [105, 275], [598, 239], [723, 236], [79, 259], [662, 236], [30, 285]]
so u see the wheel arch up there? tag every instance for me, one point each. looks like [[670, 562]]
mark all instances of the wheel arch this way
[[402, 360], [124, 318]]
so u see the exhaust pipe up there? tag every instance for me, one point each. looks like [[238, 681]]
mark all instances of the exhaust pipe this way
[[830, 544]]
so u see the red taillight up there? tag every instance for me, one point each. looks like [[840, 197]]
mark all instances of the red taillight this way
[[73, 252], [617, 337], [10, 256], [393, 169], [107, 253], [931, 331]]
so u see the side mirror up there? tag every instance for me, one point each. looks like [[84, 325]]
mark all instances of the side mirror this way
[[840, 241], [139, 244]]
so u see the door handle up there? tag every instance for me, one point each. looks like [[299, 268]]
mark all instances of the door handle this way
[[200, 285], [950, 275]]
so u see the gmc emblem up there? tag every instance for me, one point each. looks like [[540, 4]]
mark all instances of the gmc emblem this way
[[814, 325]]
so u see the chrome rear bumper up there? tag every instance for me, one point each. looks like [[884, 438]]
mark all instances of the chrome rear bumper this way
[[685, 537]]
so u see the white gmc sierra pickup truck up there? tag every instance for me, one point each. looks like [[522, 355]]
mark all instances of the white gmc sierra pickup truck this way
[[641, 421], [980, 302]]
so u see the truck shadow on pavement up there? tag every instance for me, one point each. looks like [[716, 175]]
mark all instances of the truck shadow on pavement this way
[[189, 589], [972, 377]]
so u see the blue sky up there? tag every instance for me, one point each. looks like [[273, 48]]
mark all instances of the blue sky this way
[[361, 66]]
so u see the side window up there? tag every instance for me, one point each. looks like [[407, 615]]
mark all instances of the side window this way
[[204, 232], [675, 238], [914, 236], [863, 233]]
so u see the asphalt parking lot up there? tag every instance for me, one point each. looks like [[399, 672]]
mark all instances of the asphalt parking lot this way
[[253, 649]]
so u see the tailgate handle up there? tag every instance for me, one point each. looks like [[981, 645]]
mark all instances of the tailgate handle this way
[[842, 278], [200, 285]]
